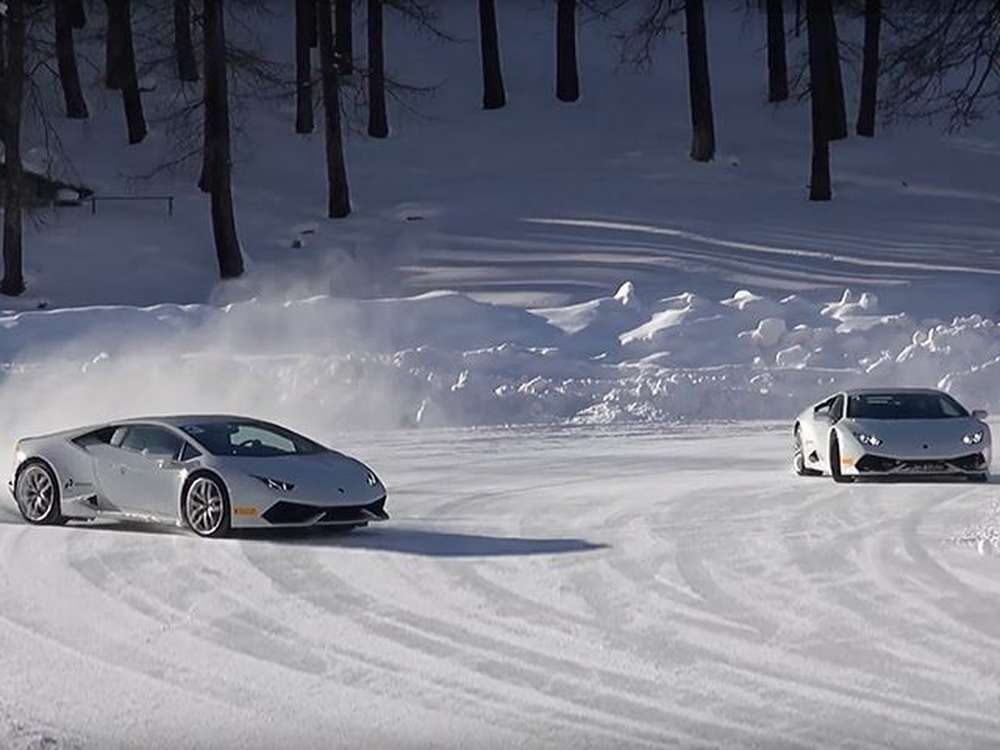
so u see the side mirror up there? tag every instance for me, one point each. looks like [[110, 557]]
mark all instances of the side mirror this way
[[979, 414]]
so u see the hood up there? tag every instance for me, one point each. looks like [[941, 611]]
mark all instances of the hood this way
[[922, 437], [314, 473]]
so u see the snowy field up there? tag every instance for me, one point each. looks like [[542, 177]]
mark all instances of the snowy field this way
[[561, 587]]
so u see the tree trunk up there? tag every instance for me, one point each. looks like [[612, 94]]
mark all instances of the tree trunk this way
[[78, 16], [227, 244], [305, 31], [494, 96], [567, 73], [702, 117], [820, 188], [114, 46], [187, 65], [13, 95], [378, 120], [777, 63], [69, 75], [345, 37], [798, 18], [870, 69], [339, 197], [837, 114], [134, 117]]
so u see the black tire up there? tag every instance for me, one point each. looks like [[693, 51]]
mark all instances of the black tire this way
[[52, 515], [189, 506], [838, 477]]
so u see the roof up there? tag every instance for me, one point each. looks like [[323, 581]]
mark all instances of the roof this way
[[883, 391], [182, 420]]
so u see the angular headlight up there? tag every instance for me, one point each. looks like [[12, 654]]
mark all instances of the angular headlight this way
[[275, 484], [973, 438], [372, 479], [866, 438]]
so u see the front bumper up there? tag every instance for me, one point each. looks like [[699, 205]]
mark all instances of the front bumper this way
[[874, 465], [287, 513]]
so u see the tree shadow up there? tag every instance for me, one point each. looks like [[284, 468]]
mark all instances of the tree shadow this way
[[423, 542]]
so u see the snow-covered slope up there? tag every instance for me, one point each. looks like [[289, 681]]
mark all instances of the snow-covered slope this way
[[733, 304]]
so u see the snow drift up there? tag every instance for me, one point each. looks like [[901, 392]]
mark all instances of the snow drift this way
[[438, 359]]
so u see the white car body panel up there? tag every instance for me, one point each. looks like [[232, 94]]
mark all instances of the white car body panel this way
[[915, 443], [104, 480]]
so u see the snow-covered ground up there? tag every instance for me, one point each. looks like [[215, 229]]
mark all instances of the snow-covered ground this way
[[567, 587]]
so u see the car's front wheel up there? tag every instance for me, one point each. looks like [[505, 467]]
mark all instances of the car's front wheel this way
[[835, 471], [205, 506], [37, 494], [799, 457]]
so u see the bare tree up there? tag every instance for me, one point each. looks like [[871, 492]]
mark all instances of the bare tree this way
[[345, 37], [777, 62], [78, 15], [187, 65], [567, 72], [217, 141], [305, 35], [121, 68], [13, 97], [699, 83], [378, 121], [69, 74], [339, 198], [828, 123], [494, 95], [870, 69]]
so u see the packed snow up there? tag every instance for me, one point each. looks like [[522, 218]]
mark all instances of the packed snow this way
[[557, 587]]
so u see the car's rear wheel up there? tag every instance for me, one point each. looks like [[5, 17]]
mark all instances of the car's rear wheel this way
[[205, 506], [799, 457], [37, 494], [835, 471]]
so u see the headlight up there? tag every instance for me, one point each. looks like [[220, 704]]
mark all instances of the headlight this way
[[866, 438], [973, 438], [276, 484], [372, 479]]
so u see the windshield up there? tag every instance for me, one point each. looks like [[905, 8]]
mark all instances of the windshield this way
[[252, 439], [904, 406]]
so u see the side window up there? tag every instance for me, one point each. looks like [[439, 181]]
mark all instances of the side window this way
[[97, 437], [823, 410], [154, 442], [837, 409], [189, 451]]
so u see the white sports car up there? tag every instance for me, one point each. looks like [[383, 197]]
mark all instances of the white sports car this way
[[209, 473], [892, 432]]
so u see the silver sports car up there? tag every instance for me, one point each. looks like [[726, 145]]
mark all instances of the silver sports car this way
[[891, 432], [209, 473]]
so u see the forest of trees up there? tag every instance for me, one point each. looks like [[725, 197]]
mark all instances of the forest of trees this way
[[917, 58]]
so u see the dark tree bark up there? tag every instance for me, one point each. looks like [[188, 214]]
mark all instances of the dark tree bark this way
[[305, 32], [78, 16], [798, 17], [494, 96], [567, 72], [378, 120], [837, 127], [125, 66], [114, 46], [870, 68], [777, 62], [820, 187], [345, 37], [13, 96], [216, 86], [187, 65], [339, 196], [69, 75], [702, 117]]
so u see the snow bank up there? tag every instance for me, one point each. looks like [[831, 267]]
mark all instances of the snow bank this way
[[445, 359]]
